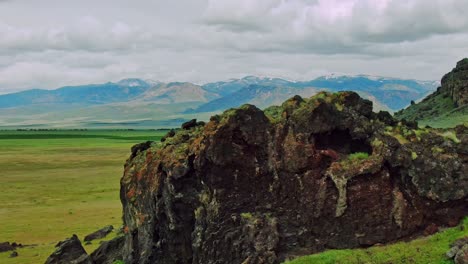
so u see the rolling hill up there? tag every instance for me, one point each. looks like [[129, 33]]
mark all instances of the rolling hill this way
[[447, 106], [141, 103]]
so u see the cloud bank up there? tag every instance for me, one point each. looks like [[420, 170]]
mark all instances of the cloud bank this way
[[54, 43]]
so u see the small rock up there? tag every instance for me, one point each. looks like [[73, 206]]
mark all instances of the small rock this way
[[462, 255], [13, 254], [69, 251], [189, 124], [6, 246], [101, 233], [386, 118], [169, 134], [140, 147], [452, 252], [460, 242]]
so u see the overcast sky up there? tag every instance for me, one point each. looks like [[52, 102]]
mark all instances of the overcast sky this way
[[52, 43]]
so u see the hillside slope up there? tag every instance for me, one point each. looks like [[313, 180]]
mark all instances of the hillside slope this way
[[446, 107]]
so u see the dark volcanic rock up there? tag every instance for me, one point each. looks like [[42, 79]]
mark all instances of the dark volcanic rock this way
[[251, 188], [140, 147], [109, 251], [101, 233], [14, 254], [189, 124], [6, 246], [69, 251], [169, 134], [455, 83]]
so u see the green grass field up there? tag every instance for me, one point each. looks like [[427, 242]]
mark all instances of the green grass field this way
[[58, 183], [426, 250]]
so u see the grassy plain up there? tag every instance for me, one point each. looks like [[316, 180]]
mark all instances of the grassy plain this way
[[58, 183], [426, 250]]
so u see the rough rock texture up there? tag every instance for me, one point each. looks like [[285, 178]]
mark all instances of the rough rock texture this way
[[450, 101], [69, 251], [256, 186], [6, 246], [109, 251], [462, 255], [459, 251], [455, 83], [101, 233]]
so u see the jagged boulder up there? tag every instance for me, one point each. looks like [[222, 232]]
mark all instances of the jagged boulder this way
[[69, 251], [140, 148], [256, 186], [109, 251], [189, 124], [101, 233]]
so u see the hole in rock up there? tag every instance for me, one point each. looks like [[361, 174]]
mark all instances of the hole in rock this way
[[341, 141]]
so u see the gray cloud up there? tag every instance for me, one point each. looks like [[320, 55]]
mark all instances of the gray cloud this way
[[53, 44]]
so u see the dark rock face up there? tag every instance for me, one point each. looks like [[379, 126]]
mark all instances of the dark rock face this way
[[69, 251], [109, 251], [169, 134], [140, 147], [189, 124], [448, 103], [6, 246], [318, 173], [455, 83], [101, 233]]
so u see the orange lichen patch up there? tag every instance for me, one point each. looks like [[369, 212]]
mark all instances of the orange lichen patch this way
[[141, 173], [140, 218], [149, 156], [126, 230], [131, 193], [196, 143]]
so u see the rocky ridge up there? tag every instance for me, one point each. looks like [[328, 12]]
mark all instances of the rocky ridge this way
[[256, 186], [455, 83], [450, 101]]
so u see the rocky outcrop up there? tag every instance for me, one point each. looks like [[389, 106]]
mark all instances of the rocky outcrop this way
[[448, 104], [455, 83], [69, 251], [256, 186]]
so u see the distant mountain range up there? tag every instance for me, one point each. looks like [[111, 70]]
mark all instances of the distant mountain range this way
[[141, 103]]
